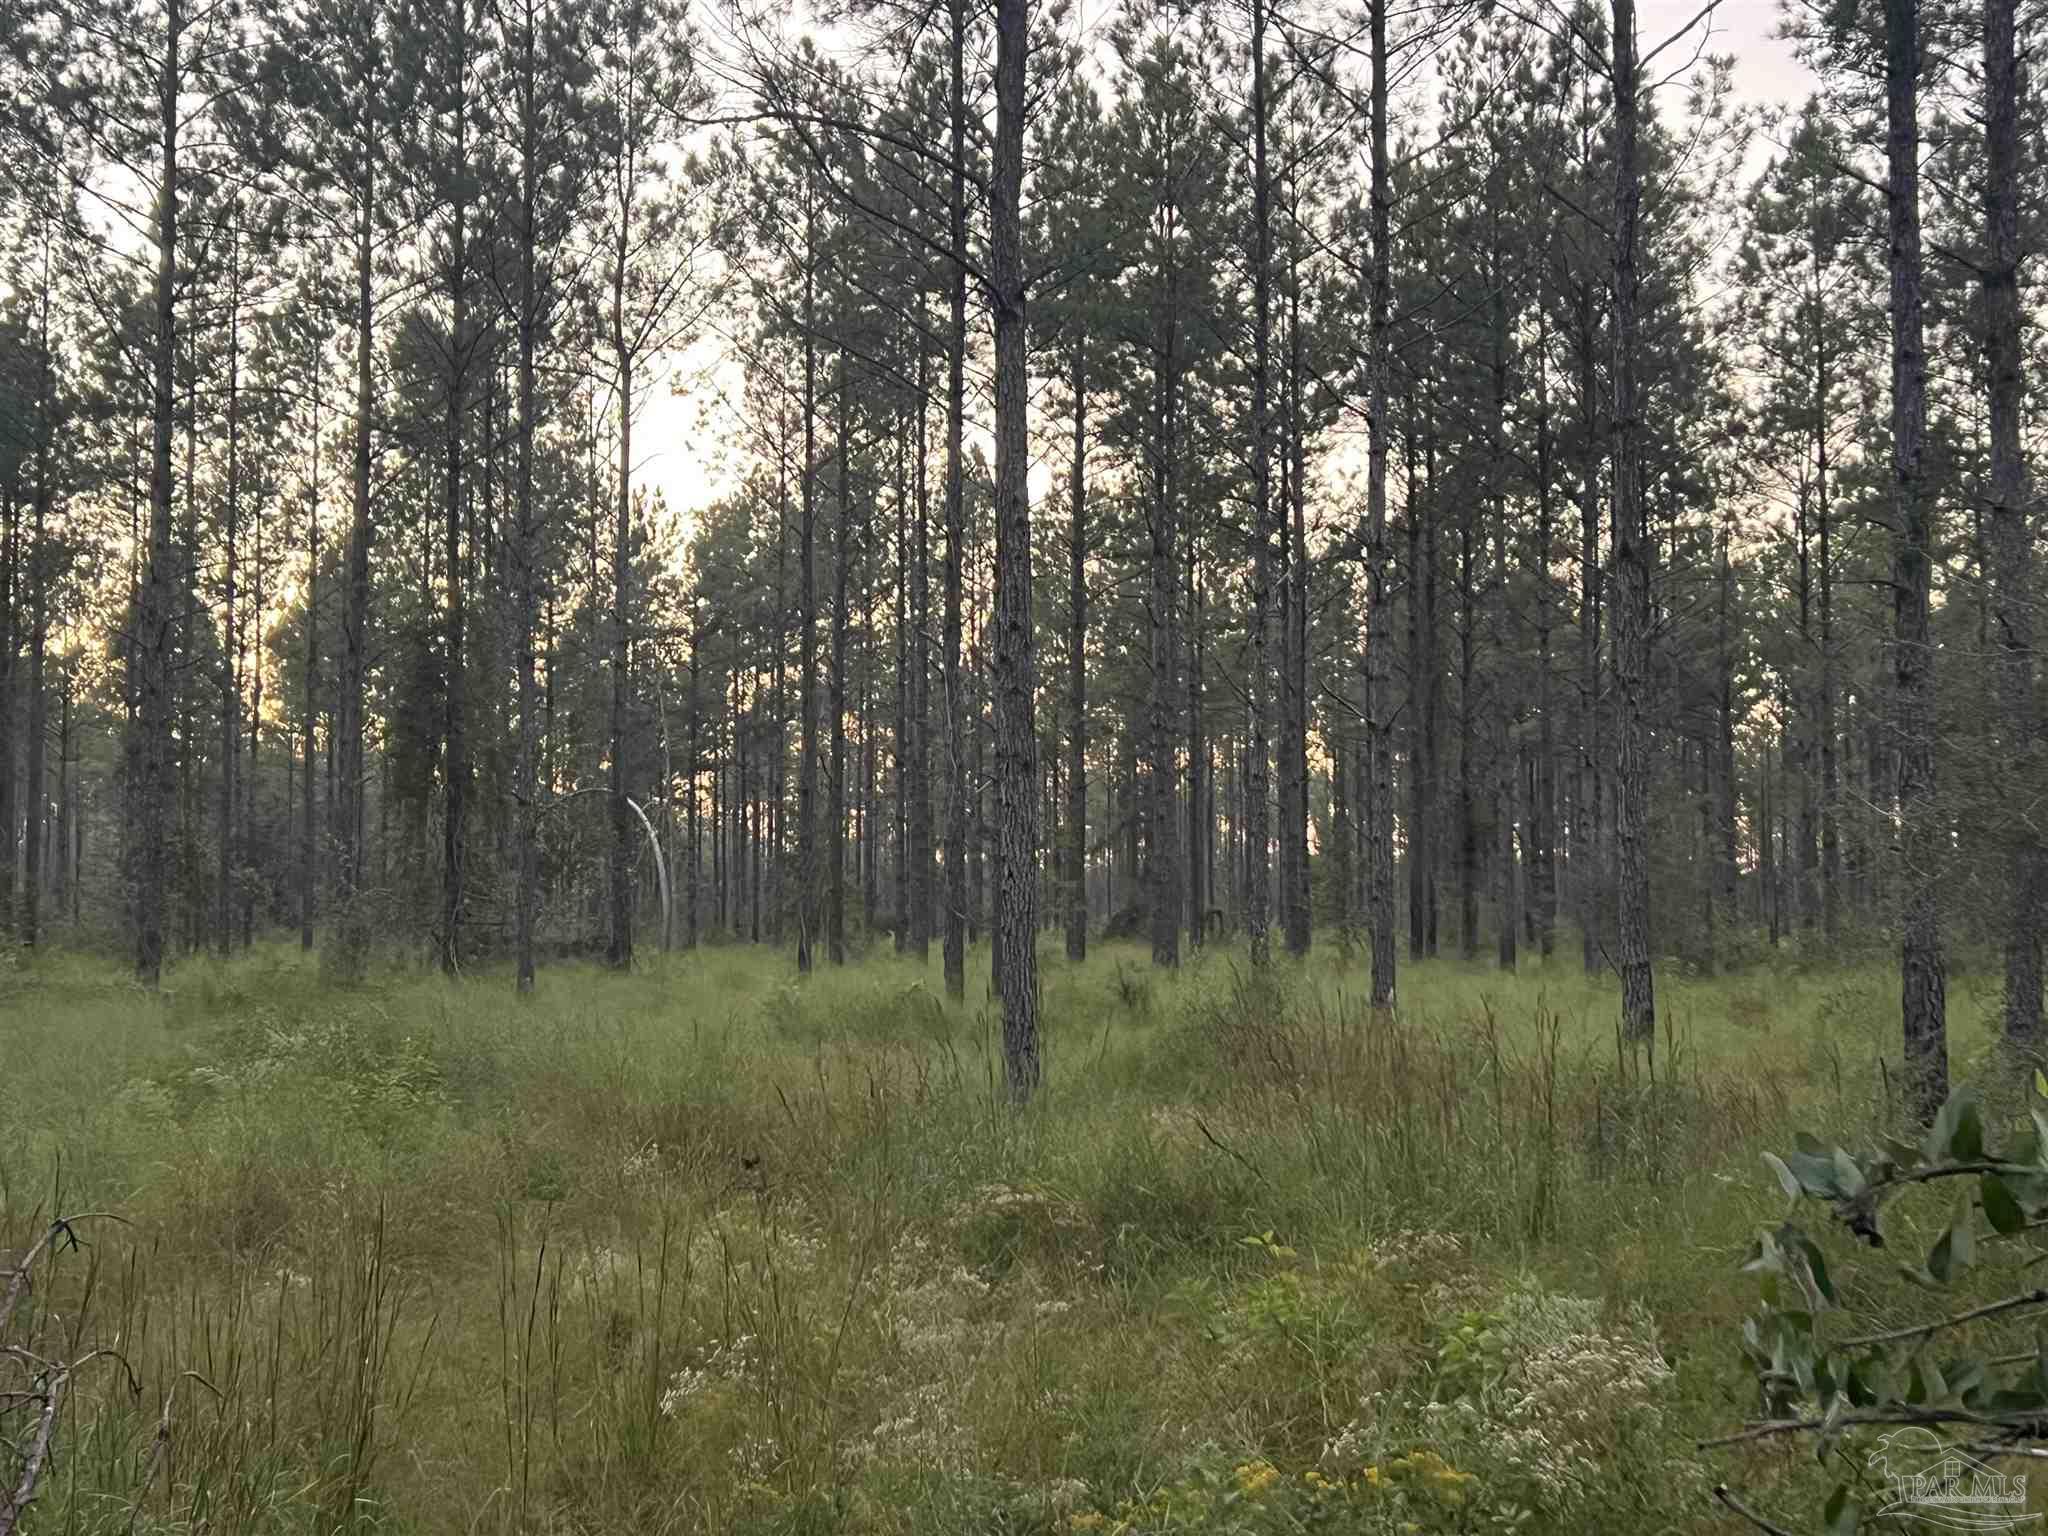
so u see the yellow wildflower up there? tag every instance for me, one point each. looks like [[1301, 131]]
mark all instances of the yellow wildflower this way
[[1255, 1477]]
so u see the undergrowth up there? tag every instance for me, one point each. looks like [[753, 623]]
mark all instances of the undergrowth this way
[[710, 1248]]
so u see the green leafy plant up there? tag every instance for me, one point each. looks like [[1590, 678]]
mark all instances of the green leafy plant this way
[[1953, 1374]]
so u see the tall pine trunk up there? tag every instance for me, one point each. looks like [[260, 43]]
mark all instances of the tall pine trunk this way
[[2011, 538], [230, 696], [1378, 796], [1631, 568], [902, 744], [455, 702], [10, 594], [1588, 872], [1543, 783], [835, 813], [149, 752], [1922, 977], [958, 724], [619, 952], [526, 543], [1163, 889], [807, 905], [38, 631], [1258, 754], [1015, 678], [1077, 662], [351, 939], [309, 843], [921, 688]]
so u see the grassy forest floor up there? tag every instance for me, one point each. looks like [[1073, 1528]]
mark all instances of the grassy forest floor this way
[[706, 1249]]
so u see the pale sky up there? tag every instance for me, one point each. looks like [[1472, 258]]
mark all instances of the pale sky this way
[[683, 457]]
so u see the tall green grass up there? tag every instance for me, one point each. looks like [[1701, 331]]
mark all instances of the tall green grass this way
[[709, 1247]]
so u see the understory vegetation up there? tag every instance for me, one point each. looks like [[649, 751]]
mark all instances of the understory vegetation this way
[[709, 1248]]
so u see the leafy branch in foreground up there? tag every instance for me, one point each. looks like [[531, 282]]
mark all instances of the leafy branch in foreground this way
[[1938, 1376]]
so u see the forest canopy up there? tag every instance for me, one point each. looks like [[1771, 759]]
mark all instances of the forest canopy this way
[[1456, 478]]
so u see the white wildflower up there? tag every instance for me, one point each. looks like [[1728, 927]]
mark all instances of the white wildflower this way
[[682, 1386]]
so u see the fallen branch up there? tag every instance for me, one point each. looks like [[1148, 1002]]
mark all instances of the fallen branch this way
[[52, 1396], [18, 1277]]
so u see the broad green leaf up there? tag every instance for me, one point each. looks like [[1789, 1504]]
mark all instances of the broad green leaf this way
[[1816, 1174], [1968, 1143], [1830, 1428], [1847, 1175], [1816, 1263], [1924, 1384], [1964, 1226], [1941, 1261], [1957, 1134], [1840, 1516], [2000, 1208], [1863, 1382], [1785, 1180]]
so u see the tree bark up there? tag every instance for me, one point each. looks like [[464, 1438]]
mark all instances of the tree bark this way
[[1192, 899], [38, 632], [1378, 797], [1543, 784], [807, 904], [149, 753], [526, 534], [691, 812], [619, 950], [1468, 688], [1631, 568], [902, 751], [1258, 754], [1587, 871], [958, 725], [921, 690], [230, 696], [1830, 773], [309, 844], [1163, 889], [1015, 677], [351, 939], [1077, 662], [2011, 535], [1725, 851], [455, 702], [835, 812], [11, 495], [1922, 971], [1420, 837]]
